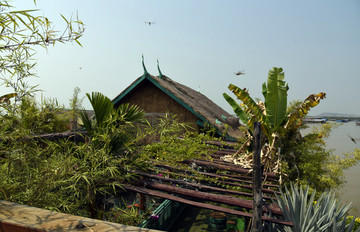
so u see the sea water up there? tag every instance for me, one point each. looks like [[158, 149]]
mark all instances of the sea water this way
[[340, 140]]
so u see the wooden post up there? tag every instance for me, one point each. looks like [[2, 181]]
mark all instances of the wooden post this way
[[256, 178], [142, 202]]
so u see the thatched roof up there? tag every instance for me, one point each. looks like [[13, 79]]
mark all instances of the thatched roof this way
[[197, 103]]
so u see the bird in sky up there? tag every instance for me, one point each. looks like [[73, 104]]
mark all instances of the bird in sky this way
[[240, 73], [352, 139], [149, 23]]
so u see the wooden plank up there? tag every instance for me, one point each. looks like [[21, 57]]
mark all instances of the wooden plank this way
[[249, 187], [225, 177], [265, 190], [201, 205], [200, 187], [208, 196], [227, 166]]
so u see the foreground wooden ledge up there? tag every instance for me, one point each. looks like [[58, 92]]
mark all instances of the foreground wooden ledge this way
[[21, 218]]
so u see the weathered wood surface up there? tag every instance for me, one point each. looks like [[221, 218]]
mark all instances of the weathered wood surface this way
[[225, 199], [231, 178], [256, 179], [21, 218], [265, 190], [200, 187], [225, 166], [200, 204]]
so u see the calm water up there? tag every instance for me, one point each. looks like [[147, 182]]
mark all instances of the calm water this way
[[340, 141]]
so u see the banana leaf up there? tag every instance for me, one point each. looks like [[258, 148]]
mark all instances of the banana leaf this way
[[275, 93], [295, 118], [244, 96], [251, 109], [6, 98], [237, 109]]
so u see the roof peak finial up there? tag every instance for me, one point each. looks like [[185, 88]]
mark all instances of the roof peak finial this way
[[143, 64], [160, 74]]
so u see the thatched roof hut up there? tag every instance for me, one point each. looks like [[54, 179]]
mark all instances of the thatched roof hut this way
[[160, 94]]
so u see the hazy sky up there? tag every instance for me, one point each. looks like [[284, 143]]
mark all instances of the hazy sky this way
[[202, 43]]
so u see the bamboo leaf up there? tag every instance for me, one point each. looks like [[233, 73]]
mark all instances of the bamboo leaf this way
[[77, 41], [64, 18]]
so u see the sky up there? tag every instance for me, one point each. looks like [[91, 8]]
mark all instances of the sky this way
[[202, 44]]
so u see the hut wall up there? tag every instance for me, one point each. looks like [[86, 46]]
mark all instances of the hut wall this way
[[154, 101]]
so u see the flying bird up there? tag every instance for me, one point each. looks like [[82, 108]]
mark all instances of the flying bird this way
[[352, 139], [240, 73], [149, 23]]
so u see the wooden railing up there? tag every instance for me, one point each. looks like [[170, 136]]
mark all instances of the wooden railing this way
[[21, 218]]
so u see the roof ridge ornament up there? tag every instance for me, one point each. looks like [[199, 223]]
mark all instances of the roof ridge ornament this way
[[143, 64], [160, 74]]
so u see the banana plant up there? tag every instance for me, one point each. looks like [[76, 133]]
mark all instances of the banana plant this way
[[275, 122]]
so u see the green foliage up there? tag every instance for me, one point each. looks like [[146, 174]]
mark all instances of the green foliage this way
[[173, 149], [107, 160], [63, 175], [296, 116], [97, 172], [33, 173], [75, 105], [21, 32], [273, 114], [327, 214], [75, 177], [175, 142], [5, 99], [275, 94], [297, 158], [355, 221], [30, 118], [131, 216], [306, 160], [111, 126]]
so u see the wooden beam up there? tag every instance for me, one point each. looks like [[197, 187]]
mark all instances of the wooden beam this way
[[227, 166], [270, 191], [200, 187], [201, 205], [208, 196], [265, 190], [225, 177]]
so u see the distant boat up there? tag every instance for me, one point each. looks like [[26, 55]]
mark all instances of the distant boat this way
[[357, 123], [342, 120], [315, 120]]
